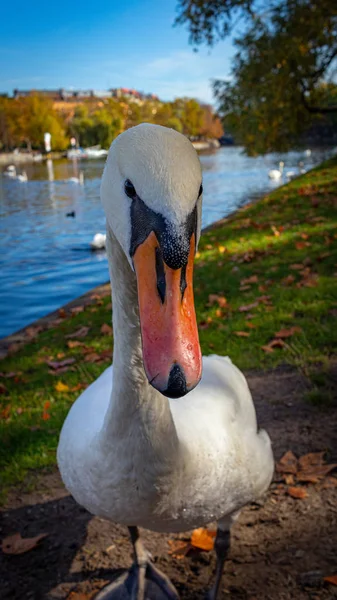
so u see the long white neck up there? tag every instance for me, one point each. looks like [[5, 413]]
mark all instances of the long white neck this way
[[135, 406]]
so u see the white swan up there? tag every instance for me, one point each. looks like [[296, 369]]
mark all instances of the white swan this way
[[10, 171], [22, 177], [79, 179], [98, 242], [128, 451], [276, 173]]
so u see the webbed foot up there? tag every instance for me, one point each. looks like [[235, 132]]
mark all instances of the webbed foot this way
[[141, 582]]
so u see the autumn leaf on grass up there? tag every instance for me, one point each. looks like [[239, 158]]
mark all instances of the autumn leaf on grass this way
[[251, 279], [92, 357], [76, 310], [241, 333], [203, 539], [45, 414], [285, 333], [215, 298], [106, 329], [288, 280], [297, 492], [296, 266], [81, 332], [331, 579], [54, 364], [273, 344], [248, 307], [61, 387], [15, 544], [74, 344], [250, 325], [288, 463]]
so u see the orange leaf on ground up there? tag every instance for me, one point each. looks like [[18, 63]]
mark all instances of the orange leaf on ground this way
[[331, 579], [76, 310], [298, 493], [285, 333], [92, 357], [74, 344], [62, 313], [288, 280], [241, 333], [15, 544], [317, 472], [288, 463], [312, 459], [250, 325], [106, 329], [203, 539], [54, 364], [296, 266]]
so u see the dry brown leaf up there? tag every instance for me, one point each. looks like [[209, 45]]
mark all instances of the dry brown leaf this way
[[331, 579], [54, 364], [300, 245], [317, 473], [278, 343], [5, 413], [74, 344], [178, 548], [267, 349], [15, 544], [312, 459], [248, 307], [215, 298], [78, 386], [288, 280], [106, 329], [81, 332], [288, 463], [251, 279], [62, 313], [297, 492], [92, 357], [241, 333], [76, 310], [296, 267], [250, 325], [285, 333], [244, 288], [203, 538]]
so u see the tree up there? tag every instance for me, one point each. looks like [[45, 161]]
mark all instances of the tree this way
[[285, 56]]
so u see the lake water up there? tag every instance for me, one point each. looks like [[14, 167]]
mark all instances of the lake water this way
[[45, 257]]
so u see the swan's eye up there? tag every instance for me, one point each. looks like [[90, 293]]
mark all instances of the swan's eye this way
[[129, 189], [200, 191]]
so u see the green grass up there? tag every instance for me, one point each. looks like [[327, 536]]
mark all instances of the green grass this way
[[295, 225]]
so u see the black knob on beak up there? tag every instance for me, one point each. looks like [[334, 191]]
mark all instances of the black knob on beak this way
[[176, 386]]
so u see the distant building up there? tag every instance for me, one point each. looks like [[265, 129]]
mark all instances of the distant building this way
[[78, 95]]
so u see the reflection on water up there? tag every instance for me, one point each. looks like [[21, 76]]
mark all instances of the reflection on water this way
[[45, 256]]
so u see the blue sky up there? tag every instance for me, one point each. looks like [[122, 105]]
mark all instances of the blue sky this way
[[75, 44]]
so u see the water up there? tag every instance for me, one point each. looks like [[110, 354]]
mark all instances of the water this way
[[45, 257]]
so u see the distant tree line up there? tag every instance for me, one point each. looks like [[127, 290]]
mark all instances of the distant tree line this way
[[23, 121]]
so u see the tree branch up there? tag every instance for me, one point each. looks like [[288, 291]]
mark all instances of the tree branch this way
[[317, 109]]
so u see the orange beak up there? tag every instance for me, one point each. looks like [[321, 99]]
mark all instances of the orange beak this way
[[171, 350]]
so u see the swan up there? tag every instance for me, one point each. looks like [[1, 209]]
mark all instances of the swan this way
[[79, 179], [23, 177], [164, 439], [307, 152], [10, 171], [98, 242], [276, 173]]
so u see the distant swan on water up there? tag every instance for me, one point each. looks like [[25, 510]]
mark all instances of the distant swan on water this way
[[276, 173], [98, 241], [79, 180], [10, 171]]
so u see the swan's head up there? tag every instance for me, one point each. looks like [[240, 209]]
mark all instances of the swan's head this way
[[151, 192]]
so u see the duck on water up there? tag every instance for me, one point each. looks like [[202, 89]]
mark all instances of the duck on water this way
[[163, 439]]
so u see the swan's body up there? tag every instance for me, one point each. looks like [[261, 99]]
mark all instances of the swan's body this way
[[127, 451], [218, 463], [98, 242], [10, 171], [276, 173], [22, 177]]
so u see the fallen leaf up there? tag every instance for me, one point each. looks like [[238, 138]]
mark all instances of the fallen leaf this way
[[250, 325], [285, 333], [300, 245], [244, 288], [81, 332], [92, 357], [297, 492], [3, 388], [203, 539], [312, 459], [251, 279], [315, 473], [289, 479], [288, 280], [248, 307], [215, 298], [331, 579], [74, 344], [15, 544], [59, 364], [106, 329], [76, 310], [5, 413], [296, 267], [288, 463], [61, 387], [78, 386], [267, 349], [178, 548], [241, 333]]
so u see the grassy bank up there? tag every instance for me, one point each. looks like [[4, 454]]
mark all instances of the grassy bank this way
[[266, 294]]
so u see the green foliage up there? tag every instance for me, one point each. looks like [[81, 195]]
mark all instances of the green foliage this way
[[286, 50]]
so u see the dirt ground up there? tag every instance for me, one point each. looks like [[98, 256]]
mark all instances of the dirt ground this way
[[282, 548]]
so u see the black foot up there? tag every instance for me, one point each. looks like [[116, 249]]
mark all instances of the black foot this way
[[126, 586]]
